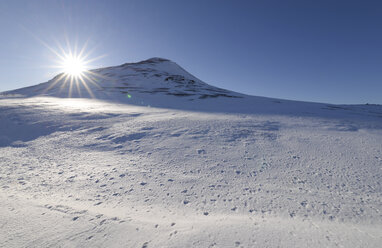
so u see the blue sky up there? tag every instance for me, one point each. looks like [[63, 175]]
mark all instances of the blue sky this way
[[323, 51]]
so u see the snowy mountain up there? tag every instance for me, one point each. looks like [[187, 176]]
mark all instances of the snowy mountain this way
[[146, 155], [146, 82], [159, 82]]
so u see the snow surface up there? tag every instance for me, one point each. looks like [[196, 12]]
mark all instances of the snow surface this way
[[161, 159]]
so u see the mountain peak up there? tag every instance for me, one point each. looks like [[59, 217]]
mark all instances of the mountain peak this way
[[155, 82], [155, 60], [152, 60]]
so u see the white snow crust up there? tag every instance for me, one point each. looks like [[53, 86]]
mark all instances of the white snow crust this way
[[181, 163]]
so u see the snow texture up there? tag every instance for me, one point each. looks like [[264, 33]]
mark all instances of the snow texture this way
[[161, 159]]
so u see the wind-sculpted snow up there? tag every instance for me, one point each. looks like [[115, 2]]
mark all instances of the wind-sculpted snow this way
[[91, 173], [162, 159]]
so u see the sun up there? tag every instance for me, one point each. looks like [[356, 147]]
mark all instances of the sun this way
[[73, 65], [74, 68]]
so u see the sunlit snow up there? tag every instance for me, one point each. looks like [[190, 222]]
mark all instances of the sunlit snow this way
[[162, 159]]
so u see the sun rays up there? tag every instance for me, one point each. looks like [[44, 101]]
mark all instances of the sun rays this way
[[74, 68]]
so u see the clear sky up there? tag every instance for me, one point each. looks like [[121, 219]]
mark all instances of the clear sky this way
[[323, 51]]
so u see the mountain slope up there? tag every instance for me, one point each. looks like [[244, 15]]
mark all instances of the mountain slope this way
[[236, 171]]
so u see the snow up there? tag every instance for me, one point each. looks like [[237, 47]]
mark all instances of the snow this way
[[165, 169]]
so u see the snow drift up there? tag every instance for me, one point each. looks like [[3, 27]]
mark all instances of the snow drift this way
[[146, 155]]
